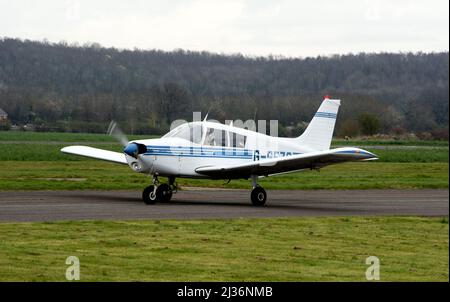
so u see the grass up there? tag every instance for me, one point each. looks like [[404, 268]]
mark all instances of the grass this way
[[46, 152], [59, 175], [392, 142], [272, 249], [429, 155], [98, 137], [29, 136]]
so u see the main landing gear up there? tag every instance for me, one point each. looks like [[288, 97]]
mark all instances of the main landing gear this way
[[159, 192], [258, 194]]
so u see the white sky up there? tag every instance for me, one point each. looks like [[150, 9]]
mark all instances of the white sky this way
[[252, 27]]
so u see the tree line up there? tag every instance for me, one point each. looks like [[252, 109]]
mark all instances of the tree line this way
[[57, 86]]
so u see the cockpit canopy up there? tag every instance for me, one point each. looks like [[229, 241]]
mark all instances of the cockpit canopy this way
[[194, 133], [188, 131]]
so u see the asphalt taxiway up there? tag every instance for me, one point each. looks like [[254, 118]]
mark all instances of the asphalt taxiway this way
[[216, 203]]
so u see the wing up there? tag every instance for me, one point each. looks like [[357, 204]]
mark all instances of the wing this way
[[111, 156], [266, 167]]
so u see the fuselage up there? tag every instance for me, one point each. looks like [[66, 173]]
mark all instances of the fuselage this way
[[180, 152]]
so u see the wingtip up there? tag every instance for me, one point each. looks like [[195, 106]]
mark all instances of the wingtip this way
[[68, 149]]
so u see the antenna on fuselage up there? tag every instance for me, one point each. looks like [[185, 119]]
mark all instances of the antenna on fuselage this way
[[207, 113], [204, 126]]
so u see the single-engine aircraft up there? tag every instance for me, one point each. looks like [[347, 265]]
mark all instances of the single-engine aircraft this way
[[205, 149]]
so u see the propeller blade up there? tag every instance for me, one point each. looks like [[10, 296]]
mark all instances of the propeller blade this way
[[117, 133]]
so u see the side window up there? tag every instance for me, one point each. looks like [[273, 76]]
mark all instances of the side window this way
[[216, 137], [238, 140], [209, 138]]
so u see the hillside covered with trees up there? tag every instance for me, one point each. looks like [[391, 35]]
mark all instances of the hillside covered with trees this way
[[81, 88]]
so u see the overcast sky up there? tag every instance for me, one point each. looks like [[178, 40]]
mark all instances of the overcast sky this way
[[252, 27]]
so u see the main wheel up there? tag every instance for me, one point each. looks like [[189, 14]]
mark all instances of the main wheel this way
[[149, 196], [258, 196], [163, 193]]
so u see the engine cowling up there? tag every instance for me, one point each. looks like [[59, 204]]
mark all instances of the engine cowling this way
[[135, 161]]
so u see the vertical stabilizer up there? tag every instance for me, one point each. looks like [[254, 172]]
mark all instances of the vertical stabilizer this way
[[319, 132]]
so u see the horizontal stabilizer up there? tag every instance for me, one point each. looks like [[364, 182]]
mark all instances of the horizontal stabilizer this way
[[96, 153]]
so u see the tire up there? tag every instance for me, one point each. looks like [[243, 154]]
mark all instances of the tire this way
[[258, 196], [148, 196], [163, 193]]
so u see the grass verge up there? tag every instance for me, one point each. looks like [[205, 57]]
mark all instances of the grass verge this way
[[42, 175], [272, 249]]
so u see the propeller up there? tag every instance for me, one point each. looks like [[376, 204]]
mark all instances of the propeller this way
[[117, 133], [131, 149]]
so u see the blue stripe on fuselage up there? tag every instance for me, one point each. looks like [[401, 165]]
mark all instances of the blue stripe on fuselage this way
[[212, 152]]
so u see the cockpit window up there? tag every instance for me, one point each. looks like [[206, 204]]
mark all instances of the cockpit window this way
[[216, 137], [189, 132], [237, 140]]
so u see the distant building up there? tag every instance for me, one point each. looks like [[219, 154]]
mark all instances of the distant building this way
[[3, 115]]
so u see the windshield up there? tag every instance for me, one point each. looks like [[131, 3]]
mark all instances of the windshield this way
[[189, 132]]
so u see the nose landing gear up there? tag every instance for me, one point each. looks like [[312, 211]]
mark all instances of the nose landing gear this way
[[159, 192], [149, 195]]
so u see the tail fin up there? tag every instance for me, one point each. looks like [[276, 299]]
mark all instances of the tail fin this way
[[319, 132]]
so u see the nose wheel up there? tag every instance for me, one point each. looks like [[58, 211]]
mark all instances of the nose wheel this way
[[158, 192], [149, 195]]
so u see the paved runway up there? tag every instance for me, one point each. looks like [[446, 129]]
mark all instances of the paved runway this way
[[199, 204]]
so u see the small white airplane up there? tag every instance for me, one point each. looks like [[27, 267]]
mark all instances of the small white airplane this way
[[216, 151]]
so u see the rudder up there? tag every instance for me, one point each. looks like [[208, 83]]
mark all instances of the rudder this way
[[319, 132]]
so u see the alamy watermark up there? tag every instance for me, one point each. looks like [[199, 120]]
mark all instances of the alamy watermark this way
[[259, 126], [72, 10], [373, 271], [73, 271]]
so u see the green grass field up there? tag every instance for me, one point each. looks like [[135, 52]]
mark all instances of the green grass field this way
[[391, 142], [274, 249], [25, 136], [40, 175], [10, 136], [33, 161]]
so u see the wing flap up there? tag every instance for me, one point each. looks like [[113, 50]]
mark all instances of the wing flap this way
[[96, 153], [309, 160]]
